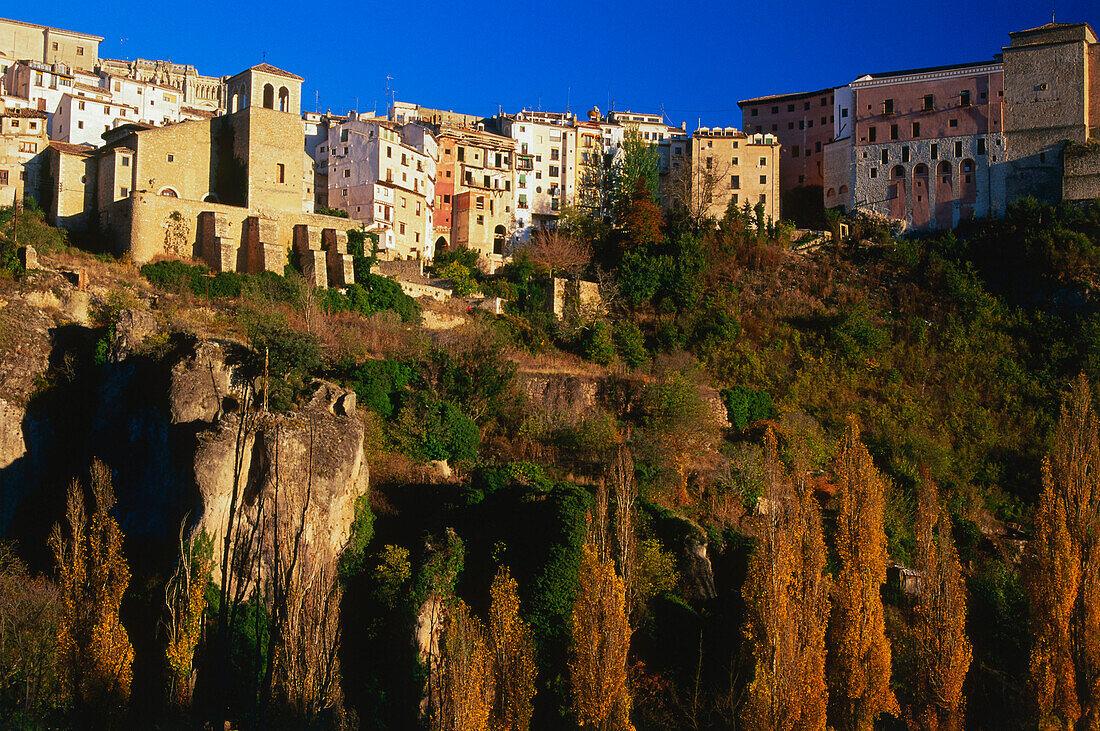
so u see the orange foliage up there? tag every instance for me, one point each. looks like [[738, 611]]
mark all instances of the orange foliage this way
[[466, 683], [786, 608], [513, 652], [1064, 576], [859, 663]]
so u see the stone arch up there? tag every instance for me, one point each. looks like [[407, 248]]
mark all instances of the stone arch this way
[[843, 189], [284, 99], [210, 198], [500, 235], [831, 192], [968, 181], [945, 195], [269, 96], [441, 243], [169, 192], [921, 211], [235, 102], [897, 193]]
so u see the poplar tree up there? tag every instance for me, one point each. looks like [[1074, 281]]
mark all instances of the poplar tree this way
[[786, 607], [601, 641], [1064, 573], [859, 660], [943, 650], [513, 653], [93, 575], [466, 681]]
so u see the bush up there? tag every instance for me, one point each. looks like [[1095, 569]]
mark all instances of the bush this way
[[630, 343], [745, 405], [461, 277], [598, 344]]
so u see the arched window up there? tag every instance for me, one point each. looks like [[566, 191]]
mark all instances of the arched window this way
[[441, 244], [210, 198], [235, 103], [269, 96], [843, 189], [944, 171], [169, 193], [499, 235], [284, 99], [921, 170], [899, 172], [831, 192]]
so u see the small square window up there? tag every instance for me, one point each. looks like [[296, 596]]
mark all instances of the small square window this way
[[874, 172], [171, 157]]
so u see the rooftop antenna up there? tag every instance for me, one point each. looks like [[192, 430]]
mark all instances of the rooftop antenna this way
[[568, 99], [390, 93], [317, 100]]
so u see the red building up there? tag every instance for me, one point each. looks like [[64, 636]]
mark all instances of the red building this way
[[803, 123]]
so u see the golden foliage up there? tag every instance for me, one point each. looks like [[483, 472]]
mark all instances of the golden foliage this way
[[859, 661], [185, 597], [94, 648], [513, 654], [466, 697], [786, 608], [943, 650], [1064, 576], [601, 642]]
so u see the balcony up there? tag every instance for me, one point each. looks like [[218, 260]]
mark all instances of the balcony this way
[[525, 163]]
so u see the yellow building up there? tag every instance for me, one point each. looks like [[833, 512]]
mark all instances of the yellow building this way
[[22, 140], [234, 190], [19, 41]]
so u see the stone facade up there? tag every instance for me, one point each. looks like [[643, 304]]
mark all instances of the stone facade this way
[[198, 91], [23, 141], [19, 40], [726, 164]]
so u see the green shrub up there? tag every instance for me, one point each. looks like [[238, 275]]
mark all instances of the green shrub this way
[[630, 343], [746, 405], [354, 556], [599, 347], [461, 277]]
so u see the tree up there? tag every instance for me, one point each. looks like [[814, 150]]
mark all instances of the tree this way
[[1064, 576], [554, 249], [642, 218], [466, 697], [95, 651], [693, 189], [601, 642], [786, 598], [943, 650], [636, 160], [859, 661], [185, 600], [30, 609], [513, 653]]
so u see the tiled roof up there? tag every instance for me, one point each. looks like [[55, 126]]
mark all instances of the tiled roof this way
[[71, 148], [24, 113], [784, 97], [269, 69]]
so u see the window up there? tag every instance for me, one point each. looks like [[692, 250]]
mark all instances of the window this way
[[480, 202], [80, 50], [404, 159], [885, 156], [790, 125], [964, 98], [171, 157], [763, 162], [404, 202], [790, 107], [817, 147], [775, 110], [916, 130], [929, 103], [872, 134], [801, 178], [888, 106], [824, 121], [802, 124], [805, 106], [710, 163], [118, 86], [480, 220], [763, 179], [554, 153], [402, 229], [125, 162], [893, 131], [754, 111], [554, 171], [124, 192], [734, 161], [763, 198], [80, 124], [952, 123], [418, 208], [389, 151], [80, 105], [809, 123], [958, 149], [794, 150], [735, 182], [905, 154], [874, 172], [280, 173], [347, 173], [54, 46]]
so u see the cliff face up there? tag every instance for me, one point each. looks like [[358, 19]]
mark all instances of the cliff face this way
[[165, 415]]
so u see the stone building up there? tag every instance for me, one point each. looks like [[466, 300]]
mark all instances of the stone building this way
[[474, 195], [22, 140], [715, 166], [235, 190], [1052, 112], [19, 40], [196, 90], [405, 112], [804, 124], [384, 175], [927, 145]]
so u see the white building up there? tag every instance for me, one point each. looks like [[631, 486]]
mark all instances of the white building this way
[[383, 174], [156, 105], [545, 168]]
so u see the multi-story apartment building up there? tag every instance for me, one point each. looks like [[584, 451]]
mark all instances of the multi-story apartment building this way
[[651, 127], [42, 85], [545, 172], [804, 124], [83, 120], [718, 165], [22, 139], [384, 175], [156, 103], [29, 41], [926, 144], [474, 193]]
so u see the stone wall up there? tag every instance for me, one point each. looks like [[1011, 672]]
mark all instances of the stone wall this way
[[1081, 180]]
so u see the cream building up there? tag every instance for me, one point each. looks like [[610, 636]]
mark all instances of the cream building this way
[[20, 40], [715, 166], [22, 140], [545, 169], [196, 90]]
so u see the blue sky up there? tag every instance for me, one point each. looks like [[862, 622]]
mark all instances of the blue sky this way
[[693, 58]]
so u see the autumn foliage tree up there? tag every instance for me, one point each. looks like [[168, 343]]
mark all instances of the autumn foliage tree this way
[[512, 647], [1064, 573], [94, 649], [465, 693], [942, 648], [601, 642], [642, 219], [185, 600], [786, 598], [859, 660]]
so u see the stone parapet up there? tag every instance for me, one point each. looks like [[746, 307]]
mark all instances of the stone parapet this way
[[219, 246], [341, 270], [264, 252]]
